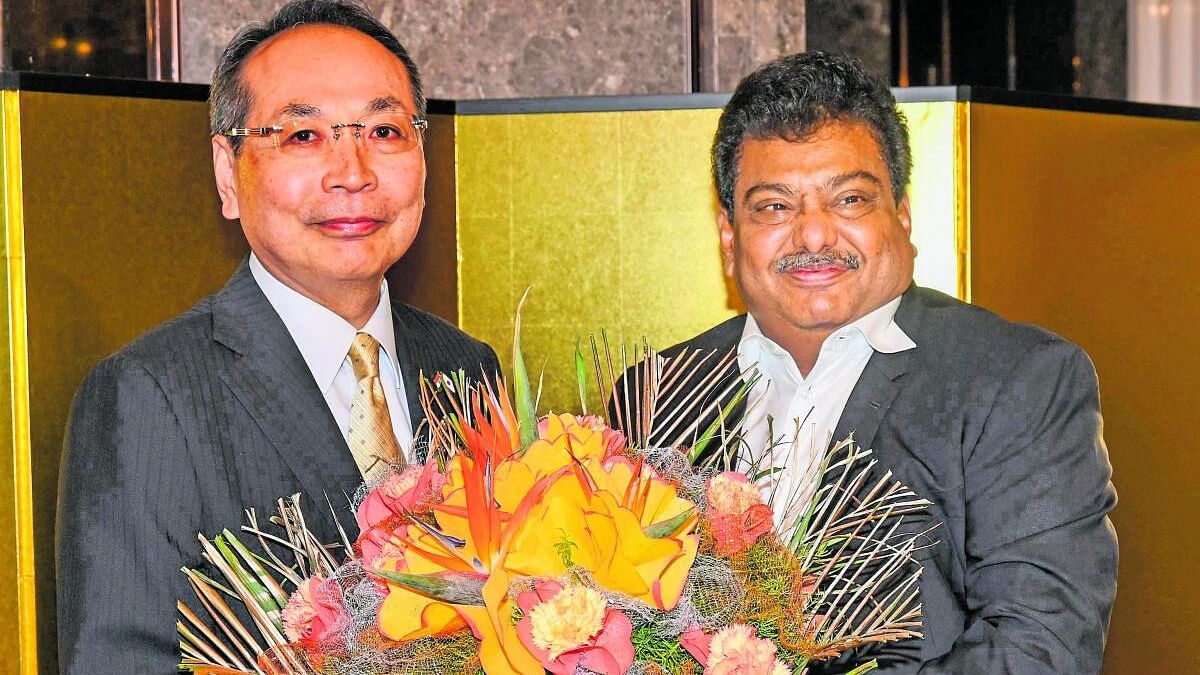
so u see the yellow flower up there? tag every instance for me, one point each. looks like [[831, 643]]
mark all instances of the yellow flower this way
[[558, 503], [570, 619]]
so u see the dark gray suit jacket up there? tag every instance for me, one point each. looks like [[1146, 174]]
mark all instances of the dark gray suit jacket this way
[[998, 424], [207, 415]]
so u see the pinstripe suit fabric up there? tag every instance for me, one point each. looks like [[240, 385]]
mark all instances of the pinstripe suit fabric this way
[[207, 415]]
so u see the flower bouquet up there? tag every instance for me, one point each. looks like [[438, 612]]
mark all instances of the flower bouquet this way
[[553, 544]]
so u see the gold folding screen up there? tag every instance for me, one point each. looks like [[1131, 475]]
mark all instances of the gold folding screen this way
[[1085, 223], [1076, 221], [111, 227]]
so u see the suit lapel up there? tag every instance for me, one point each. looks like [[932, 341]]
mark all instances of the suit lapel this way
[[273, 383], [872, 397], [879, 383], [413, 367]]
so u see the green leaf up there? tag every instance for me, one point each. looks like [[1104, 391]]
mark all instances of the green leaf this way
[[865, 668], [526, 415], [668, 527], [711, 431], [581, 376], [456, 588], [264, 577], [262, 597]]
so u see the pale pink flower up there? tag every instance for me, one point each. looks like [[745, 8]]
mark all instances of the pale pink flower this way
[[731, 493], [571, 628], [736, 514], [736, 650], [314, 613]]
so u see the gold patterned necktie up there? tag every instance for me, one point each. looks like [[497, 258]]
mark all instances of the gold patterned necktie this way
[[372, 440]]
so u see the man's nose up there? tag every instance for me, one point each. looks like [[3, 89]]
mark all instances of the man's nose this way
[[814, 230], [349, 166]]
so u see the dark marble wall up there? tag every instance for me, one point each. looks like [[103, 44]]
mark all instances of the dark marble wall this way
[[858, 27], [1101, 36], [737, 36], [470, 49]]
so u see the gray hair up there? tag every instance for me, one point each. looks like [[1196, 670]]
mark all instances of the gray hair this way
[[229, 99]]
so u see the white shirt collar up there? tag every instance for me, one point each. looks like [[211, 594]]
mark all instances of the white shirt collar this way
[[878, 327], [322, 336]]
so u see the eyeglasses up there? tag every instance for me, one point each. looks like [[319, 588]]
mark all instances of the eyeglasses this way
[[386, 133]]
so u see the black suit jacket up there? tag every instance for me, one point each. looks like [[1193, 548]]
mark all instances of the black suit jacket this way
[[207, 415], [998, 424]]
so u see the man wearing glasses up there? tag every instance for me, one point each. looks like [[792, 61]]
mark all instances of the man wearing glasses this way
[[300, 376]]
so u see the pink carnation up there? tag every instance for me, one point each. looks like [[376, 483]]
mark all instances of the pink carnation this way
[[381, 515], [734, 650], [736, 514], [315, 614], [606, 648]]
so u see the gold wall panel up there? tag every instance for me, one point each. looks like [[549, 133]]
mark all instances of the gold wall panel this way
[[427, 276], [610, 217], [1085, 223], [18, 615], [122, 231]]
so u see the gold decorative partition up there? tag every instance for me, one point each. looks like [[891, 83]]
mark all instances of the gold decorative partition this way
[[1077, 221], [111, 226], [1085, 223]]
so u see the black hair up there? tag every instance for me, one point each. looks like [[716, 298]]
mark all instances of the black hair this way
[[792, 97]]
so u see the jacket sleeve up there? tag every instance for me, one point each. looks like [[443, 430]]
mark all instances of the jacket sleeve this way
[[127, 521], [1041, 553]]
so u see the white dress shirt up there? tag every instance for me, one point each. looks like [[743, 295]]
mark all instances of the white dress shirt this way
[[324, 339], [803, 412]]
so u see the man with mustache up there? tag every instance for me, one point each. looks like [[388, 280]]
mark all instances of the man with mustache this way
[[997, 424], [300, 376]]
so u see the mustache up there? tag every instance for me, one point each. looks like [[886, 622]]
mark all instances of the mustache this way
[[804, 261]]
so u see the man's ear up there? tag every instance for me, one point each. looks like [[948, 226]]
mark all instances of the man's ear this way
[[904, 215], [725, 225], [225, 171]]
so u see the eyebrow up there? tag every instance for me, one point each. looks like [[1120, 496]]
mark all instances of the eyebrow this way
[[833, 183], [837, 181], [300, 110], [382, 104], [782, 188]]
